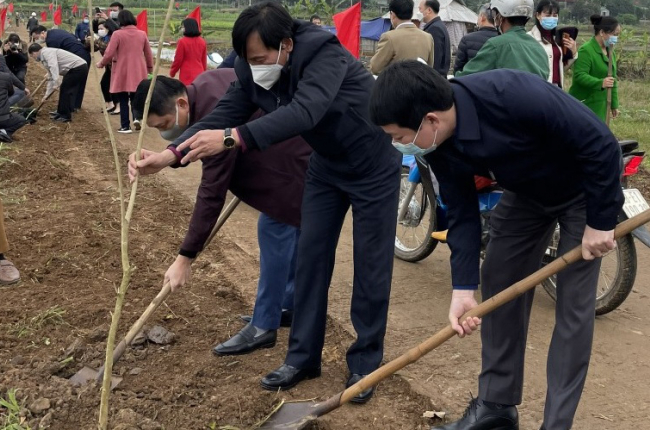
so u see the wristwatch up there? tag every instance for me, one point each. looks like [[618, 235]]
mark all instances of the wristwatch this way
[[228, 140]]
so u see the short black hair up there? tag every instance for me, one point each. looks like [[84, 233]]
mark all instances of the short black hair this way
[[403, 9], [313, 17], [119, 5], [269, 19], [125, 17], [13, 38], [608, 24], [406, 91], [39, 29], [34, 47], [433, 4], [191, 27], [163, 98]]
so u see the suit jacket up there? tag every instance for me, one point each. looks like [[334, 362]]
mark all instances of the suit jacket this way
[[406, 42], [589, 70], [271, 181], [131, 59], [442, 53], [61, 39]]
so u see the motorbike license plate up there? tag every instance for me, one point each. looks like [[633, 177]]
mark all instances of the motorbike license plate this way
[[634, 202]]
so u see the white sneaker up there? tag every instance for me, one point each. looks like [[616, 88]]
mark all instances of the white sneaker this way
[[136, 125], [125, 131]]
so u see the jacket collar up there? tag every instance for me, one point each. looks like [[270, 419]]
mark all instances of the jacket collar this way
[[595, 46], [430, 23], [467, 124]]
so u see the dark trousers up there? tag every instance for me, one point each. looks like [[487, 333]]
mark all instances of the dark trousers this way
[[11, 122], [73, 82], [79, 98], [105, 84], [20, 74], [124, 98], [373, 196], [278, 251], [519, 234]]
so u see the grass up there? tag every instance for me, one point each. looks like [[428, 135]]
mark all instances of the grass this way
[[10, 418], [51, 316]]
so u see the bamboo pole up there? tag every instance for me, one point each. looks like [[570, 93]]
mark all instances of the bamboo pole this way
[[125, 218]]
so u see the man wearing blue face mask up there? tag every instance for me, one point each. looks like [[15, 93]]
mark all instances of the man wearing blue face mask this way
[[513, 49], [83, 29], [271, 182], [561, 168], [309, 85]]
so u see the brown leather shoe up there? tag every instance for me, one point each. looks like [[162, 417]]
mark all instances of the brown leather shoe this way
[[8, 273]]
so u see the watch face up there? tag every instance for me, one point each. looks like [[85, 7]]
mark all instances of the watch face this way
[[229, 142]]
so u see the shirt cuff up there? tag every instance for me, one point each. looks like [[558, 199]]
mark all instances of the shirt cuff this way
[[465, 287], [178, 155], [242, 142]]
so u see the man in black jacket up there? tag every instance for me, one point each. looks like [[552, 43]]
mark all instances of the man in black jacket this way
[[32, 23], [471, 43], [563, 167], [9, 122], [434, 25], [309, 85], [15, 53]]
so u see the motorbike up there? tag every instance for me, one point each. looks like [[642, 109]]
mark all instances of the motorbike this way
[[422, 219]]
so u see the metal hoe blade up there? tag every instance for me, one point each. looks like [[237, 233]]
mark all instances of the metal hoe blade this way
[[88, 374]]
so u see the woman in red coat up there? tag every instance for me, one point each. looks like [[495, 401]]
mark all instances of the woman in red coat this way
[[191, 53], [131, 59]]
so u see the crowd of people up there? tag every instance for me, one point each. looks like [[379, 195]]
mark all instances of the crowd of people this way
[[300, 130]]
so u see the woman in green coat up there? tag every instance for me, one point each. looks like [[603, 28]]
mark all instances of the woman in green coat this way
[[590, 81]]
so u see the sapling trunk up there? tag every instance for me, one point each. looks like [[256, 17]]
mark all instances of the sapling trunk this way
[[125, 220]]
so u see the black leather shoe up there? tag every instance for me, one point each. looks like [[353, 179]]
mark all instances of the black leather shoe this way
[[286, 377], [478, 416], [285, 319], [363, 396], [61, 119], [245, 341]]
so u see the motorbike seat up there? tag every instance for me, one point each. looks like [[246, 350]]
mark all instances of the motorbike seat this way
[[628, 145]]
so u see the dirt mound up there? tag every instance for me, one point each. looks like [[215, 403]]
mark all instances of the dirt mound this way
[[63, 223]]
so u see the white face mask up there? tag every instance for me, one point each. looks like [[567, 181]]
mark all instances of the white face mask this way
[[102, 33], [176, 129], [412, 149], [86, 20], [113, 14], [266, 75]]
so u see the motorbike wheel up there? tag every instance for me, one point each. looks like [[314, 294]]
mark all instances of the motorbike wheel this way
[[413, 241], [617, 273]]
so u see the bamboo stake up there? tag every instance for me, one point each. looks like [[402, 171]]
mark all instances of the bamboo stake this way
[[125, 218]]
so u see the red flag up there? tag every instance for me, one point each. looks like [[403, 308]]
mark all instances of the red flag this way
[[11, 8], [43, 16], [57, 16], [142, 23], [348, 28], [51, 6], [196, 14], [177, 5], [3, 19], [75, 9]]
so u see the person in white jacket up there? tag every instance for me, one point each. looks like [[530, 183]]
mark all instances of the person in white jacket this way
[[560, 57]]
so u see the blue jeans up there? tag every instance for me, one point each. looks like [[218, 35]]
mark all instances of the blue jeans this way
[[278, 244]]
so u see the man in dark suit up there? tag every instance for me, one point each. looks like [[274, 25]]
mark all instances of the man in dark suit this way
[[557, 163], [434, 25], [471, 43]]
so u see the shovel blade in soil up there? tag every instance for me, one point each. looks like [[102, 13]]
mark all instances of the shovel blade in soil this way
[[292, 416], [87, 374]]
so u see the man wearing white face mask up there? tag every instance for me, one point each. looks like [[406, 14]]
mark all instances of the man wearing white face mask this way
[[251, 176], [311, 86], [555, 169]]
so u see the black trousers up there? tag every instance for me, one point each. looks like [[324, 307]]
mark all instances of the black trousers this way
[[73, 83], [11, 122], [520, 230], [124, 98], [105, 84], [79, 98], [373, 196]]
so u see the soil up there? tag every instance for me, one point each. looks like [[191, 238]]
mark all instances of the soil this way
[[62, 217], [63, 223]]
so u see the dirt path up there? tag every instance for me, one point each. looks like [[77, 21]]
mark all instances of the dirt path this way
[[614, 397]]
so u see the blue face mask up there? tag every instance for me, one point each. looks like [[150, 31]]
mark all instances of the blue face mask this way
[[412, 149], [548, 22], [613, 40]]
